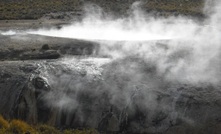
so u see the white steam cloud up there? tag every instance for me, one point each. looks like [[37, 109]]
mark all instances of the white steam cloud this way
[[182, 49], [137, 27], [149, 56]]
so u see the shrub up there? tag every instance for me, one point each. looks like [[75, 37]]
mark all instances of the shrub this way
[[20, 127], [3, 123], [3, 131], [76, 131], [45, 47], [45, 129]]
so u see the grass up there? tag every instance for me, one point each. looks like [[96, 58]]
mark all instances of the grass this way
[[20, 127], [3, 123], [186, 7], [85, 131], [45, 129], [35, 9]]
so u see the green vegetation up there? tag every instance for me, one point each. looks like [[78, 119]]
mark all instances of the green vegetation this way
[[21, 127], [34, 9]]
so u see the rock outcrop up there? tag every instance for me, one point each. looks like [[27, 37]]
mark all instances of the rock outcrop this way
[[33, 47], [80, 93]]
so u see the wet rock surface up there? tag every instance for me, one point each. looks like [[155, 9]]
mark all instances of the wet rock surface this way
[[30, 47], [79, 93]]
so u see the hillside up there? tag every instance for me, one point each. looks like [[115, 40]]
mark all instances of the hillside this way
[[35, 9]]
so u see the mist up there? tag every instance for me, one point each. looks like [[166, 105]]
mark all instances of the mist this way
[[97, 25], [181, 48]]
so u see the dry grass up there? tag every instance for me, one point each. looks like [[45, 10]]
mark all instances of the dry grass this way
[[3, 123], [45, 129], [21, 127], [186, 7], [34, 9], [85, 131]]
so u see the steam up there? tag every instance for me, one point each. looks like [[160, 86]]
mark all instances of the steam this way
[[137, 27], [8, 33], [182, 49]]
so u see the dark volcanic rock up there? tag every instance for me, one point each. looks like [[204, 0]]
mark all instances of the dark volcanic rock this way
[[45, 47], [106, 98], [29, 47], [12, 83], [49, 54], [40, 83]]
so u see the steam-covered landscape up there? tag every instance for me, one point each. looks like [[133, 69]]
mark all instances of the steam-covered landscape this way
[[110, 67]]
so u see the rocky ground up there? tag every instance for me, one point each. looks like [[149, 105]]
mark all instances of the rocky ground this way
[[30, 47], [95, 93], [67, 84]]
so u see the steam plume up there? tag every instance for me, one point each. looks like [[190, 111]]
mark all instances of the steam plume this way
[[188, 51], [148, 57]]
